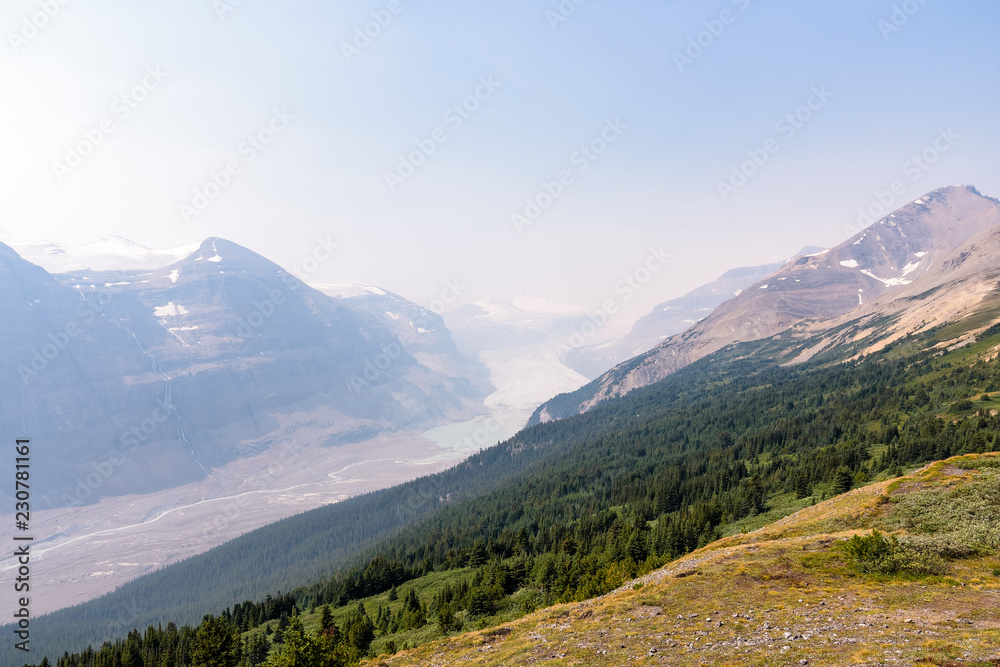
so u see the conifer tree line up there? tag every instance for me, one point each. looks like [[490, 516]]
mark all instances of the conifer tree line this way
[[609, 496]]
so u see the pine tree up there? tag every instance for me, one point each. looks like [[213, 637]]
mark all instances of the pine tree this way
[[326, 619], [844, 480], [802, 487], [300, 649], [359, 629], [478, 557], [216, 645]]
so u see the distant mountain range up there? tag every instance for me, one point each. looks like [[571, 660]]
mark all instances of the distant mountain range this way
[[671, 317], [139, 379], [933, 260], [773, 393]]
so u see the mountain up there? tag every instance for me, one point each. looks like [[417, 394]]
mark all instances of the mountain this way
[[108, 254], [573, 509], [668, 318], [139, 380], [421, 332], [922, 246]]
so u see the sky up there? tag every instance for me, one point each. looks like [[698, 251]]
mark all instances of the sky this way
[[485, 149]]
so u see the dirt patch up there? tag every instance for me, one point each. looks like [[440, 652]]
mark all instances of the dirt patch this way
[[499, 632], [647, 611]]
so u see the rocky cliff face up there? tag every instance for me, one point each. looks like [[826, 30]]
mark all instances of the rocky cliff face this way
[[915, 248]]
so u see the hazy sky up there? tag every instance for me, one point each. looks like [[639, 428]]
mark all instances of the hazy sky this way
[[666, 120]]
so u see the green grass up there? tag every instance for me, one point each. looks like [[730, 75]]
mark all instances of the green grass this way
[[427, 587], [779, 507]]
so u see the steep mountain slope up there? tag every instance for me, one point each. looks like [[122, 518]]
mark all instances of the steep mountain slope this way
[[921, 239], [667, 319], [143, 380], [790, 593], [964, 286], [421, 332], [700, 450], [64, 364]]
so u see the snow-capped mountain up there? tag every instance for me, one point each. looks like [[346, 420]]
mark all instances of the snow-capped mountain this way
[[139, 380], [109, 254], [667, 319], [918, 247]]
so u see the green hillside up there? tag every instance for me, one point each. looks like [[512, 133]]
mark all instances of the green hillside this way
[[898, 572], [569, 510]]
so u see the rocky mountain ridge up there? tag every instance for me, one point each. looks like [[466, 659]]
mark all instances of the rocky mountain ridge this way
[[945, 241]]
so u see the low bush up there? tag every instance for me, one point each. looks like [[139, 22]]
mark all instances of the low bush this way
[[880, 554]]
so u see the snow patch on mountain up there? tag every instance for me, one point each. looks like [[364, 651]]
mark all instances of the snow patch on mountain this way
[[170, 310], [113, 253]]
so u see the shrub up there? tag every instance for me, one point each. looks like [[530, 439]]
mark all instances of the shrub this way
[[872, 553], [953, 523], [878, 554], [963, 405]]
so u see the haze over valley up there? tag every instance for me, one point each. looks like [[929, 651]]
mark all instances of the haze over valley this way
[[384, 333]]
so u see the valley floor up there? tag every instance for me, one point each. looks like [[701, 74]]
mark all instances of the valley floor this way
[[91, 550]]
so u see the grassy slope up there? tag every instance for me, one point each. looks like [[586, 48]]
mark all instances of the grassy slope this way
[[775, 596]]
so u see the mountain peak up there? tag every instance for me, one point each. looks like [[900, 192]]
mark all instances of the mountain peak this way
[[941, 236], [222, 253]]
